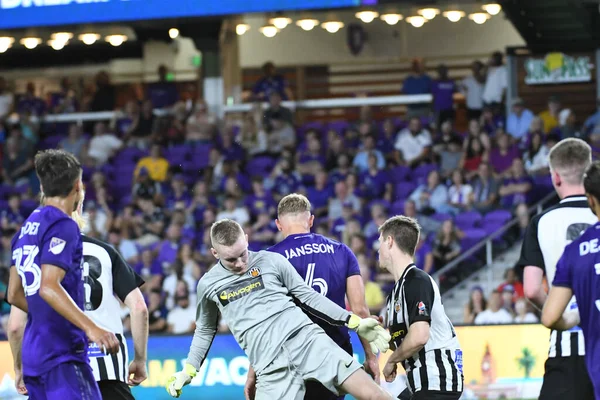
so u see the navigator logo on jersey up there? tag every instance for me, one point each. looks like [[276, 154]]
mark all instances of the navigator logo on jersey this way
[[56, 246], [254, 272], [238, 291]]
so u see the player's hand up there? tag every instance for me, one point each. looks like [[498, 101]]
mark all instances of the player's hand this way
[[389, 372], [107, 341], [137, 372], [250, 388], [178, 380], [372, 368], [19, 384], [370, 329]]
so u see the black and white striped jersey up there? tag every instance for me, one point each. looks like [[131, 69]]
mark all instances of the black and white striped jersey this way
[[438, 365], [545, 240], [107, 279]]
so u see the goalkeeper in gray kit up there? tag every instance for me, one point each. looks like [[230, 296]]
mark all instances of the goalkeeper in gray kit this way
[[259, 296]]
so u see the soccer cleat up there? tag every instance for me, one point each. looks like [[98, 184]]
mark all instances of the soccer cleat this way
[[370, 329], [178, 380]]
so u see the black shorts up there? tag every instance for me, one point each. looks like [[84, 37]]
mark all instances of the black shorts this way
[[115, 390], [566, 378], [435, 395], [314, 389]]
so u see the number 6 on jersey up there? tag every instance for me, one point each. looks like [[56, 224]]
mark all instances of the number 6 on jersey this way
[[319, 283]]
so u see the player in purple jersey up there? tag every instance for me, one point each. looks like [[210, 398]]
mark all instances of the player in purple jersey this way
[[578, 273], [331, 269], [46, 282]]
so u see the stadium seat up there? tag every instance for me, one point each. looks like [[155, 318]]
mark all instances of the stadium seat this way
[[500, 216], [404, 189], [466, 220]]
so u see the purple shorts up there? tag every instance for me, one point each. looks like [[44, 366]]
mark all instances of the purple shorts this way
[[67, 381]]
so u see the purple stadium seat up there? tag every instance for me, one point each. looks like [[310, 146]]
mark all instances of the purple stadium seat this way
[[260, 166], [400, 173], [200, 155], [5, 190], [472, 237], [27, 206], [499, 216], [466, 220], [423, 170], [404, 189], [441, 217], [3, 204], [51, 142], [491, 227], [338, 126], [397, 207]]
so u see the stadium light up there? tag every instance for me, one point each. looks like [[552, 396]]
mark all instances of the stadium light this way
[[454, 15], [479, 17], [429, 13], [332, 26], [89, 38], [280, 22], [240, 29], [417, 21], [57, 44], [269, 31], [492, 8], [116, 40], [6, 43], [61, 36], [307, 24], [367, 16], [173, 33], [30, 42], [391, 19]]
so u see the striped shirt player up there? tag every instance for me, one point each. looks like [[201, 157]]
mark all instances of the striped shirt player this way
[[108, 279], [438, 365]]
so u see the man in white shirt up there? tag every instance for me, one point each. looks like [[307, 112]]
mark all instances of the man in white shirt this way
[[232, 211], [182, 318], [472, 87], [519, 120], [414, 143], [103, 145], [6, 100], [494, 314], [496, 82]]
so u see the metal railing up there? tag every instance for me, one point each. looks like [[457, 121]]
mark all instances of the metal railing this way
[[487, 242]]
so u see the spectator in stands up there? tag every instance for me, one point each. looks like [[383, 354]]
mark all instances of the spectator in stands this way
[[12, 217], [494, 314], [373, 293], [460, 193], [418, 82], [536, 156], [6, 100], [472, 87], [177, 273], [149, 269], [490, 122], [311, 160], [150, 224], [103, 145], [342, 196], [361, 162], [549, 117], [451, 157], [375, 183], [474, 155], [512, 279], [592, 123], [253, 138], [104, 97], [276, 109], [319, 194], [281, 136], [338, 225], [178, 196], [424, 256], [100, 218], [167, 249], [234, 211], [414, 143], [271, 82], [17, 162], [503, 155], [263, 231], [156, 315], [182, 318], [516, 187], [163, 94], [476, 305], [125, 246], [476, 132], [428, 224], [145, 187], [508, 295], [201, 125], [444, 137], [283, 180], [496, 82], [29, 103], [485, 189], [387, 138], [75, 143], [443, 90], [446, 246], [430, 197], [65, 100], [523, 313], [568, 127], [519, 120], [156, 165]]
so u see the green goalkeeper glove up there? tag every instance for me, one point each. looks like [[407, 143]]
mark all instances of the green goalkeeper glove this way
[[370, 329], [178, 380]]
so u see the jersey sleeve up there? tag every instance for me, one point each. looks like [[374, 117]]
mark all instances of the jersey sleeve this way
[[125, 279], [531, 253], [563, 276], [59, 243], [419, 297], [352, 267], [207, 319]]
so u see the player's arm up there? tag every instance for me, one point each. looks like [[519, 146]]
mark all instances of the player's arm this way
[[419, 297], [15, 294], [207, 319], [16, 327], [561, 293], [532, 260]]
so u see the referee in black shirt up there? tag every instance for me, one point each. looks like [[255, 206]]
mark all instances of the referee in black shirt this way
[[565, 375], [423, 337]]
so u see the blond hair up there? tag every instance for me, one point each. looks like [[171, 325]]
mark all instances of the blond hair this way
[[570, 158], [225, 232], [293, 204]]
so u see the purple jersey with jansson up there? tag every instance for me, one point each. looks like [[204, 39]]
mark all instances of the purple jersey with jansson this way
[[324, 264], [49, 236], [579, 270]]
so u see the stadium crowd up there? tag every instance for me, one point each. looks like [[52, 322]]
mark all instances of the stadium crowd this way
[[155, 184]]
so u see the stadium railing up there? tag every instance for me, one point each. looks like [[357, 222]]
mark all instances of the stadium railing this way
[[487, 244]]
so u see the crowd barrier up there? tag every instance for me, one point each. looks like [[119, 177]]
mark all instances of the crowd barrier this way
[[497, 360]]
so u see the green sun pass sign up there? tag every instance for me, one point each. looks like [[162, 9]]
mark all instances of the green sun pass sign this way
[[556, 68]]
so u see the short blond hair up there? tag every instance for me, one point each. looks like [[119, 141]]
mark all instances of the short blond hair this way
[[225, 232], [293, 204], [570, 158]]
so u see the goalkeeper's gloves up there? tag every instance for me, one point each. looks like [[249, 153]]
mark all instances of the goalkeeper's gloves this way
[[178, 380], [370, 329]]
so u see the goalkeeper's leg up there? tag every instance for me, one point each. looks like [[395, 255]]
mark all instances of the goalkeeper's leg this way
[[280, 380]]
